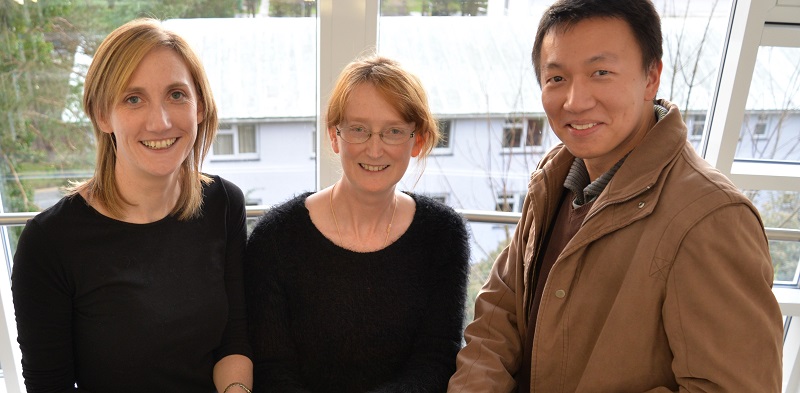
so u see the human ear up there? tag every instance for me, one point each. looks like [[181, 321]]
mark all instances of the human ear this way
[[333, 137], [419, 142], [653, 76]]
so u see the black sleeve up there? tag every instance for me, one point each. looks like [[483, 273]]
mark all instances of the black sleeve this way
[[275, 363], [433, 360], [42, 295], [234, 339]]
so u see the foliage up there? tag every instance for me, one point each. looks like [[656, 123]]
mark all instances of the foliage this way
[[38, 45], [434, 7], [38, 42], [284, 8], [780, 209], [478, 274]]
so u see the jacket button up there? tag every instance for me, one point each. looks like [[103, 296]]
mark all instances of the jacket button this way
[[561, 293], [641, 205]]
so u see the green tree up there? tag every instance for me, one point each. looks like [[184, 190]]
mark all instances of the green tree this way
[[43, 137], [38, 46], [289, 8], [780, 209]]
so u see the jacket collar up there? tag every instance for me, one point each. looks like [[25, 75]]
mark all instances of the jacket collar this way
[[647, 161]]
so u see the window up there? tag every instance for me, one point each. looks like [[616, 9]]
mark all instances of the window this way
[[535, 132], [512, 133], [760, 130], [445, 127], [442, 198], [529, 130], [696, 124], [505, 203], [235, 141]]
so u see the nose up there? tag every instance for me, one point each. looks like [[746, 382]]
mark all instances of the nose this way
[[374, 145], [158, 118], [579, 97]]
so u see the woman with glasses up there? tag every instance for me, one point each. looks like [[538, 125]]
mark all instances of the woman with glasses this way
[[360, 287]]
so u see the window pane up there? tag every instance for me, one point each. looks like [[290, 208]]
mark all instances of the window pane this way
[[223, 144], [780, 209], [512, 136], [247, 138], [771, 126], [535, 132], [444, 128]]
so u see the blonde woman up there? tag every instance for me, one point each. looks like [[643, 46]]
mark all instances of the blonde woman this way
[[133, 281], [360, 287]]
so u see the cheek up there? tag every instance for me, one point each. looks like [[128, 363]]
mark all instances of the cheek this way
[[550, 101]]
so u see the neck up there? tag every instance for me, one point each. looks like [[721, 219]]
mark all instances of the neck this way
[[365, 222], [148, 200]]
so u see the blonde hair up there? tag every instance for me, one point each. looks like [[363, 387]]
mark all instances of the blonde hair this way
[[108, 76], [402, 89]]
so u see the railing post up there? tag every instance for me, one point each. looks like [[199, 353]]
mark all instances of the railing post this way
[[10, 355]]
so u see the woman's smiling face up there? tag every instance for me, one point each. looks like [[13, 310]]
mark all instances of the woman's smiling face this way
[[155, 119], [373, 165]]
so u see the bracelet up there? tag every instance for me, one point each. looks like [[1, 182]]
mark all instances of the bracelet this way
[[237, 384]]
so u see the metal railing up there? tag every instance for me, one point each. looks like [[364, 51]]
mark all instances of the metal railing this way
[[482, 216]]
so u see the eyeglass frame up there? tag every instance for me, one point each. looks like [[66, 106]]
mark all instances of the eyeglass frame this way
[[380, 135]]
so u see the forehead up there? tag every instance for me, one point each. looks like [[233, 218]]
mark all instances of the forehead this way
[[162, 64], [589, 39], [366, 101]]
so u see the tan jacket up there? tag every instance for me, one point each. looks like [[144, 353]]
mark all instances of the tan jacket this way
[[666, 286]]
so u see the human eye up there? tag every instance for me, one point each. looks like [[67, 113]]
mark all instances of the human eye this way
[[177, 95], [133, 100], [602, 72], [555, 79], [357, 130], [395, 132]]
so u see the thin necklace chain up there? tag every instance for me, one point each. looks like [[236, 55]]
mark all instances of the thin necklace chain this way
[[335, 221]]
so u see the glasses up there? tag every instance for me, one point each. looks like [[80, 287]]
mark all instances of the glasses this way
[[360, 134]]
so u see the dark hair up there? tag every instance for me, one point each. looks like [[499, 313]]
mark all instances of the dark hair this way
[[640, 15]]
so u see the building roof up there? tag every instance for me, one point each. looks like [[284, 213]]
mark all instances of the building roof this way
[[265, 68]]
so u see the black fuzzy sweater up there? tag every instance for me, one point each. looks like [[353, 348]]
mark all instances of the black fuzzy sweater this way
[[326, 319]]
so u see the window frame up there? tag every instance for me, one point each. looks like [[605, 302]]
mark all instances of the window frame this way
[[233, 130]]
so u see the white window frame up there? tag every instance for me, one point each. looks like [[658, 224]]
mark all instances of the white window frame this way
[[524, 124], [233, 130], [756, 23]]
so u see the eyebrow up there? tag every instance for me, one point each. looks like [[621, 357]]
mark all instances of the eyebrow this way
[[592, 60], [169, 87]]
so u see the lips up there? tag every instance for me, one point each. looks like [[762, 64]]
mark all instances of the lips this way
[[374, 168], [160, 144], [582, 127]]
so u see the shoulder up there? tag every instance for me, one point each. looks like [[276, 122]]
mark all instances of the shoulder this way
[[63, 212], [692, 174], [281, 215], [432, 208], [219, 188], [435, 216]]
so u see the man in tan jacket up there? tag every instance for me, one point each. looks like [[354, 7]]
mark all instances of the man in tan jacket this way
[[636, 267]]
